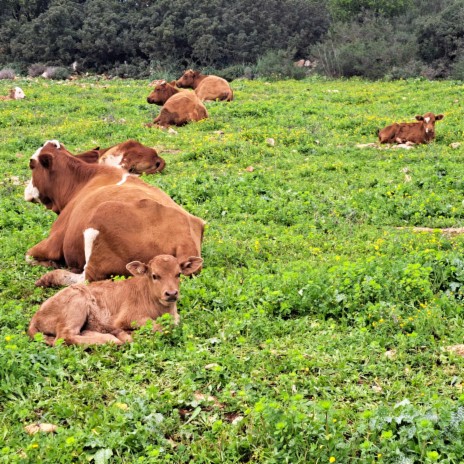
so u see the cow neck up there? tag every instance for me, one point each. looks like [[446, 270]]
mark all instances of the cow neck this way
[[197, 80], [171, 91]]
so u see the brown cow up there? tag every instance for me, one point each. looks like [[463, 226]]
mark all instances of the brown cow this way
[[15, 93], [179, 107], [415, 132], [108, 311], [130, 155], [107, 218], [208, 88]]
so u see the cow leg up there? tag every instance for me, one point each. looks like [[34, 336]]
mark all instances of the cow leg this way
[[46, 253], [91, 337], [60, 278]]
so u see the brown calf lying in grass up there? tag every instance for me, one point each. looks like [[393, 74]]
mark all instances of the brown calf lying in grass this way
[[108, 311], [422, 131], [16, 93]]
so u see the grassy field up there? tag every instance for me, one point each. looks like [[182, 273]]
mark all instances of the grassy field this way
[[317, 332]]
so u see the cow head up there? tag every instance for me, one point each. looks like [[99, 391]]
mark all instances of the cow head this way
[[163, 273], [187, 80], [428, 120], [17, 93], [161, 93], [45, 182]]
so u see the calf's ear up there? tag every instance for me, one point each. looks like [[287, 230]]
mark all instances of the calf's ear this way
[[46, 160], [192, 265], [137, 268], [419, 117], [439, 116]]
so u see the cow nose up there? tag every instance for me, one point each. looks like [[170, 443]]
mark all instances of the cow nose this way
[[171, 295]]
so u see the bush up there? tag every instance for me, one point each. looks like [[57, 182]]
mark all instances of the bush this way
[[277, 65], [36, 70], [56, 73], [7, 73]]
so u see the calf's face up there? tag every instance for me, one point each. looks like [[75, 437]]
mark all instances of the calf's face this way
[[428, 120], [163, 273], [160, 93], [187, 79]]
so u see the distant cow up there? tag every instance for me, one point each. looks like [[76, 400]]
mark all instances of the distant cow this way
[[15, 93], [208, 88], [130, 155], [107, 218], [179, 107], [108, 311], [415, 132]]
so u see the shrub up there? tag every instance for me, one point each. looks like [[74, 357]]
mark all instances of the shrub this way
[[36, 70], [276, 65], [56, 73], [7, 73]]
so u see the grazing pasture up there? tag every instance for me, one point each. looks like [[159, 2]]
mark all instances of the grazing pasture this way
[[317, 331]]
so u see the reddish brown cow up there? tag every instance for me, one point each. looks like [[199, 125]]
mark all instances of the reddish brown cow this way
[[130, 155], [208, 88], [415, 132], [108, 311], [179, 107], [16, 93], [107, 218]]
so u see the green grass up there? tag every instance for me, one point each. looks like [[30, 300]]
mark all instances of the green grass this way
[[317, 329]]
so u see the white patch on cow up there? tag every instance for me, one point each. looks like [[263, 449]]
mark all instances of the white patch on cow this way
[[124, 178], [89, 238], [111, 160], [31, 193], [18, 93], [427, 130], [37, 152], [427, 119]]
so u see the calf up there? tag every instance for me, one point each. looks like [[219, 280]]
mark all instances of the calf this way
[[179, 107], [108, 311], [130, 155], [15, 93], [415, 132], [208, 88]]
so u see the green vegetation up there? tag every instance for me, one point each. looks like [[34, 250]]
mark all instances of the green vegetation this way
[[317, 330]]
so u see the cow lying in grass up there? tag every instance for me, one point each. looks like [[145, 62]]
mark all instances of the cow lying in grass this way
[[108, 311], [130, 155], [15, 93], [179, 107], [422, 131], [207, 88]]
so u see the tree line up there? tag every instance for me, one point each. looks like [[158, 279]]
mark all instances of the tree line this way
[[132, 38]]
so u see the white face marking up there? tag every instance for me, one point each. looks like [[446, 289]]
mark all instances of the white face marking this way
[[31, 193], [18, 93], [111, 160], [427, 119], [124, 178], [427, 130], [37, 152]]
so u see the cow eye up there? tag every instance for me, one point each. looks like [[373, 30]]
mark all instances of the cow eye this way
[[155, 277], [178, 275]]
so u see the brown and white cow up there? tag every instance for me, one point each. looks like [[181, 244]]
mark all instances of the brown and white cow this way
[[179, 107], [107, 218], [16, 93], [207, 87], [130, 155], [109, 311], [422, 131]]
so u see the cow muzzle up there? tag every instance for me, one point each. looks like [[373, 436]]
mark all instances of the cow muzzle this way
[[31, 193]]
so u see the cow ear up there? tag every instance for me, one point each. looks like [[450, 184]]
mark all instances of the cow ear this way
[[89, 156], [419, 117], [137, 268], [46, 160], [439, 116], [191, 266]]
